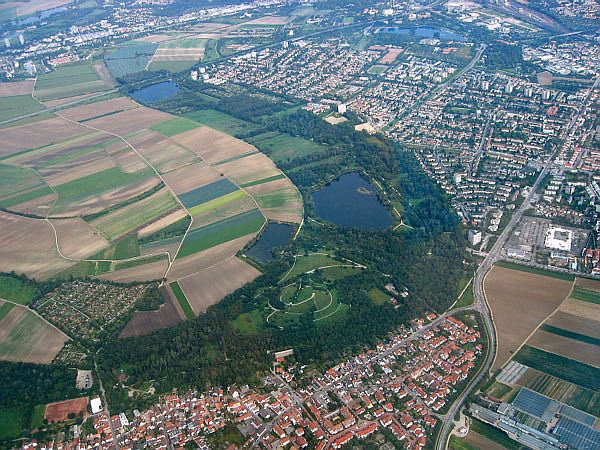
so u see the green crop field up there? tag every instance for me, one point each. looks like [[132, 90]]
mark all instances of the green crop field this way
[[460, 444], [172, 66], [94, 184], [221, 232], [182, 300], [185, 43], [16, 290], [5, 309], [134, 216], [283, 147], [207, 193], [67, 75], [17, 180], [216, 203], [567, 369], [286, 197], [546, 273], [129, 59], [140, 262], [571, 334], [11, 423], [264, 180], [85, 269], [221, 121], [18, 105], [586, 295], [175, 126]]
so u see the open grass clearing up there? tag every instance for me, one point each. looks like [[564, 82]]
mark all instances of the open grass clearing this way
[[509, 292], [248, 323], [308, 263], [283, 147], [378, 297], [11, 423]]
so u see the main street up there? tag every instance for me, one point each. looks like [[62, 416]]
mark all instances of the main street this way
[[480, 302]]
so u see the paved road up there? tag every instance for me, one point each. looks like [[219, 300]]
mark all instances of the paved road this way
[[480, 303]]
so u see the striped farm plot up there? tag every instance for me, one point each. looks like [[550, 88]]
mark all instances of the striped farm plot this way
[[188, 50], [26, 337]]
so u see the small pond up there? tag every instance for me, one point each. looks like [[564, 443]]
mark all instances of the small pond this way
[[351, 201], [424, 32], [276, 235], [155, 92]]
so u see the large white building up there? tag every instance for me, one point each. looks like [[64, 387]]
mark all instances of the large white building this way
[[559, 239]]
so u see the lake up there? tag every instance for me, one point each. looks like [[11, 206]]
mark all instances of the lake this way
[[276, 235], [155, 92], [424, 32], [351, 201]]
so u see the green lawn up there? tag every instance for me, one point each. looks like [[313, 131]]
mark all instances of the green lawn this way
[[248, 323], [11, 423], [175, 126], [183, 301], [37, 418], [378, 297], [536, 271], [466, 298], [16, 291], [566, 369], [18, 105]]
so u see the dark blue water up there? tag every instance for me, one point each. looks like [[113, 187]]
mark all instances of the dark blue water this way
[[155, 92], [424, 32], [350, 201], [276, 235]]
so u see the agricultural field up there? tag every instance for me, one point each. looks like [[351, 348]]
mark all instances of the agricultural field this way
[[18, 105], [283, 147], [211, 285], [508, 291], [222, 122], [73, 80], [128, 59], [26, 337], [177, 54]]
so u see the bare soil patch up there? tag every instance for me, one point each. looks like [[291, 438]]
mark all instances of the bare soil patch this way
[[520, 301], [63, 101], [37, 134], [163, 153], [569, 348], [212, 145], [191, 177], [146, 272], [127, 122], [251, 168], [578, 324], [59, 411], [77, 239], [207, 258], [76, 171], [162, 222], [28, 247], [146, 322], [586, 283], [97, 109], [582, 309], [8, 89], [210, 286]]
